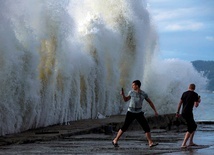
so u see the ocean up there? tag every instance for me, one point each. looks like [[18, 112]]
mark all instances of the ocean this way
[[67, 60], [205, 110]]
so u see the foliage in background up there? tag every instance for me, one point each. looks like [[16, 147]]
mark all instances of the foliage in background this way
[[207, 68]]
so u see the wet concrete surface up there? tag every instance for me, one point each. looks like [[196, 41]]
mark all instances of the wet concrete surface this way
[[95, 137]]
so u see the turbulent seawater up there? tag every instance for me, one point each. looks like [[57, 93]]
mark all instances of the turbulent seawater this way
[[205, 110], [67, 60]]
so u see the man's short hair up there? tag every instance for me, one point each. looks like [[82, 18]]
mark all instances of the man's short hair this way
[[192, 86], [137, 82]]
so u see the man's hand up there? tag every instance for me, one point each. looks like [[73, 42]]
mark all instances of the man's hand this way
[[196, 104], [177, 115]]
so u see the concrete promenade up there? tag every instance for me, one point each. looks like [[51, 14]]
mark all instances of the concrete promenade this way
[[95, 137]]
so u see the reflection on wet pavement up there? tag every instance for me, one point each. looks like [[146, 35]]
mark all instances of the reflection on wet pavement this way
[[131, 142]]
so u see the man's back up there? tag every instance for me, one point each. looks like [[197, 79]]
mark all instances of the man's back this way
[[188, 98]]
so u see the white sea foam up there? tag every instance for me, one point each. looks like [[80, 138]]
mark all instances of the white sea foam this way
[[67, 60]]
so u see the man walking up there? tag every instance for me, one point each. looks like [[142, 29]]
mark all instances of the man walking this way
[[189, 99], [136, 97]]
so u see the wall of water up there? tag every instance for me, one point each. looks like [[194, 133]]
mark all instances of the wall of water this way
[[67, 60]]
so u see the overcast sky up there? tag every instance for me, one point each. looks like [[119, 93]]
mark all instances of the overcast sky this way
[[185, 28]]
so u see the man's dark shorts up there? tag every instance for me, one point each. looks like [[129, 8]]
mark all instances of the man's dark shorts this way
[[191, 125], [130, 117]]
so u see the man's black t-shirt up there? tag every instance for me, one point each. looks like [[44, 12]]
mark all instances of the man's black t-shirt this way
[[188, 98]]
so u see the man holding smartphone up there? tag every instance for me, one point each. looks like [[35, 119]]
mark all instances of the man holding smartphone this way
[[136, 97]]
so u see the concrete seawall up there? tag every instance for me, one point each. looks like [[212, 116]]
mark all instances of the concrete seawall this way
[[87, 126]]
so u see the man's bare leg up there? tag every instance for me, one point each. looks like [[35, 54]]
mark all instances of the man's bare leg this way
[[186, 137], [148, 136], [119, 134], [191, 143]]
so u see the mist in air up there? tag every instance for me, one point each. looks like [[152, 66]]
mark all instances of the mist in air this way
[[67, 60]]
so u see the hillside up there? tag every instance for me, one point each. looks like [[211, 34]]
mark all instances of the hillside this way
[[208, 68]]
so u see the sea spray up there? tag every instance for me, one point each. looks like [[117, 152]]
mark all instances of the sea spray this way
[[67, 60], [166, 80]]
